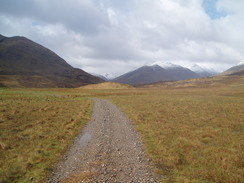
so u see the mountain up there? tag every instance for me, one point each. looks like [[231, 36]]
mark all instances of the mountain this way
[[236, 70], [105, 76], [109, 76], [206, 82], [165, 65], [202, 71], [24, 63], [100, 76], [156, 73]]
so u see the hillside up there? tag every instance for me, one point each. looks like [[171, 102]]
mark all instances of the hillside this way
[[210, 82], [100, 76], [236, 70], [202, 71], [155, 73], [24, 63]]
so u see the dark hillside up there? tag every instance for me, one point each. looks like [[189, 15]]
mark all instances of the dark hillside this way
[[23, 59], [155, 73]]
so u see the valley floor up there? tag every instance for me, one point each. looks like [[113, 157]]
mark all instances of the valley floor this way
[[191, 133], [108, 150]]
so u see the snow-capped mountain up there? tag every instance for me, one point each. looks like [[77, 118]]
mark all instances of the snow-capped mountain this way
[[156, 73], [202, 71], [165, 65], [109, 76], [105, 76]]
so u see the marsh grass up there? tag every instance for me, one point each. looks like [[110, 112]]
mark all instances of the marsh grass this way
[[36, 126], [192, 135]]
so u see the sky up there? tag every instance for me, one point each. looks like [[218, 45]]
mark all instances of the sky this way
[[117, 36]]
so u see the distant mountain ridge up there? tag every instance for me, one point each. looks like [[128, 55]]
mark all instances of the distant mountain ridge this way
[[235, 70], [165, 65], [22, 61], [100, 76], [109, 76], [105, 76], [156, 73], [201, 71]]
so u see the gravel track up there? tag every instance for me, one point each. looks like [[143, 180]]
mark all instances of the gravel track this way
[[108, 150]]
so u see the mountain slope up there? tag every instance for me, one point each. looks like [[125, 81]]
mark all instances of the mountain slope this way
[[24, 59], [236, 70], [201, 71], [109, 76], [100, 76], [155, 73]]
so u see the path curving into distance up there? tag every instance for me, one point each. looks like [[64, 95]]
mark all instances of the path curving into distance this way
[[107, 150]]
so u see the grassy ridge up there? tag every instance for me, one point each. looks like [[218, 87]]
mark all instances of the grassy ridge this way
[[107, 85], [191, 135], [35, 128]]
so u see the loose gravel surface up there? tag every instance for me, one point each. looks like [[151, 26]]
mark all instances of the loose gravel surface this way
[[108, 150]]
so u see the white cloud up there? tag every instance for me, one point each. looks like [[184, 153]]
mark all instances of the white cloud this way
[[117, 36]]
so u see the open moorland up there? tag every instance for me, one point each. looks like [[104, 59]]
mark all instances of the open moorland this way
[[36, 126], [192, 133]]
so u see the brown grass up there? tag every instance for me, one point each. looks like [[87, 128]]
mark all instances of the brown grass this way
[[107, 85], [20, 81], [191, 135], [35, 129], [210, 82], [194, 133]]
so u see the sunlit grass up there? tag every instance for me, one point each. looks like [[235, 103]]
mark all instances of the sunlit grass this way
[[35, 129]]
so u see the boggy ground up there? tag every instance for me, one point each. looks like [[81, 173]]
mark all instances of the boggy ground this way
[[108, 150]]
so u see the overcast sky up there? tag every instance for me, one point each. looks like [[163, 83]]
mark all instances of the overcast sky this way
[[117, 36]]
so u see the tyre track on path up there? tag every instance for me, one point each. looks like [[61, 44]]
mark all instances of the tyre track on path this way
[[107, 150]]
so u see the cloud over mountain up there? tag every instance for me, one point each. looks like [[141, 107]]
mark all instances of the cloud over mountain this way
[[117, 36]]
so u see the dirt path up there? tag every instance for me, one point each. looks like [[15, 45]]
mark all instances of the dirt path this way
[[108, 150]]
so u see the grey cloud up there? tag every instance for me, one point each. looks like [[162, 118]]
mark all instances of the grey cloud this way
[[116, 45], [124, 6], [81, 16], [121, 35]]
